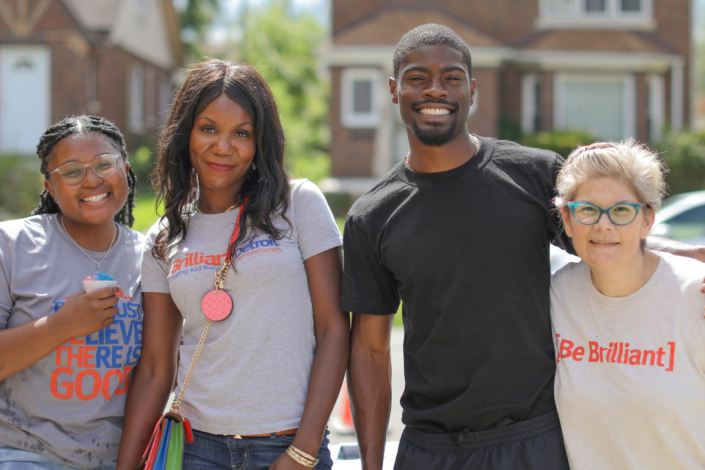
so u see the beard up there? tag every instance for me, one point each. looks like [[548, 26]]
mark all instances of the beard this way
[[436, 136]]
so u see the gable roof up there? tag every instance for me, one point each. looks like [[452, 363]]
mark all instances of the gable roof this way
[[388, 25], [596, 41], [94, 15], [156, 41]]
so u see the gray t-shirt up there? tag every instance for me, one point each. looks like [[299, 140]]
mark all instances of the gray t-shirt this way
[[69, 406], [252, 374], [630, 380]]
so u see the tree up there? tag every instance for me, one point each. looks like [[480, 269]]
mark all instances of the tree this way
[[194, 17], [280, 40]]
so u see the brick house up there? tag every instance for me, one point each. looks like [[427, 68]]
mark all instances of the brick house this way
[[616, 68], [113, 58]]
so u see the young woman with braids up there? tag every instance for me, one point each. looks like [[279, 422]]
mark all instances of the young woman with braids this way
[[268, 374], [66, 354]]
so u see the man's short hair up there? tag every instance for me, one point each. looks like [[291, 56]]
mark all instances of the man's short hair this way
[[430, 34]]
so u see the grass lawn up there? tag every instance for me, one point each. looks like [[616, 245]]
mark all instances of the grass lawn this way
[[144, 211], [397, 318]]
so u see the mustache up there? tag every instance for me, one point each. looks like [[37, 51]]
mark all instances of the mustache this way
[[418, 104]]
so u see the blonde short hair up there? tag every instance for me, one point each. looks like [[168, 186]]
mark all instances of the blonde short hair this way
[[627, 160]]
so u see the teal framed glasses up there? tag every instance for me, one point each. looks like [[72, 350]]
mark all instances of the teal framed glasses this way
[[587, 213]]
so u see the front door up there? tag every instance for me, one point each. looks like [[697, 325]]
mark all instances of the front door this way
[[25, 97]]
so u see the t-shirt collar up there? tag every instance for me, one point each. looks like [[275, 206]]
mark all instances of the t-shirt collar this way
[[97, 255], [480, 159]]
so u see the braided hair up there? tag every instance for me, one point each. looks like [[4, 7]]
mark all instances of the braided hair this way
[[83, 125]]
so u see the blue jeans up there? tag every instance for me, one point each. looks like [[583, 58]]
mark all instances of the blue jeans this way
[[16, 459], [215, 452]]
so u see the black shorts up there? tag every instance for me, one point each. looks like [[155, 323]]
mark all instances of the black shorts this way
[[534, 444]]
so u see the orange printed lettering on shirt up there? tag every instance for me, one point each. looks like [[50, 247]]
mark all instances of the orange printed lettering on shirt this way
[[617, 352]]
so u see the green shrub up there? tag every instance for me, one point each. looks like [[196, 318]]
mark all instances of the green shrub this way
[[20, 185], [684, 155], [145, 212], [561, 142], [142, 162], [509, 129]]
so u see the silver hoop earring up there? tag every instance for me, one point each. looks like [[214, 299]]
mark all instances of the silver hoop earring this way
[[254, 167]]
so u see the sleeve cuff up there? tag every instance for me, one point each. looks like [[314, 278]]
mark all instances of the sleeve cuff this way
[[321, 247], [347, 305]]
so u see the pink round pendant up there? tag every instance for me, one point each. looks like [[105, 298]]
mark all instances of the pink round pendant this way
[[217, 305]]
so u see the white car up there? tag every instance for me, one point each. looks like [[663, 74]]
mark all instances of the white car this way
[[682, 218], [560, 258]]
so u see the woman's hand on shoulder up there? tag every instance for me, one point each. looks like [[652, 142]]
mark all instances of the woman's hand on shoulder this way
[[87, 312]]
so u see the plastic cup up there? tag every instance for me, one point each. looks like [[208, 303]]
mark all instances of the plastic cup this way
[[93, 285]]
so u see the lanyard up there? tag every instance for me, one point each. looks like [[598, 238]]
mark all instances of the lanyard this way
[[216, 306], [236, 230]]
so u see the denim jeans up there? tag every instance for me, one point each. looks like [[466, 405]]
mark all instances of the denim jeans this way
[[215, 452], [16, 459]]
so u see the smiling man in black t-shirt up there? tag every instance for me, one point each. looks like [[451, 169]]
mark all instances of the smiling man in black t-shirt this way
[[460, 233]]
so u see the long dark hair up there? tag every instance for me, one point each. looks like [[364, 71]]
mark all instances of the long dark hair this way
[[83, 125], [174, 179]]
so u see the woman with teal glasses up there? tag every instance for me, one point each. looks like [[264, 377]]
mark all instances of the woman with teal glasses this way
[[628, 324]]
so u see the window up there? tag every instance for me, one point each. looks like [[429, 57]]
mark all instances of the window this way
[[657, 106], [529, 104], [595, 6], [135, 92], [603, 105], [165, 98], [360, 98], [631, 6], [150, 97], [619, 13], [611, 8]]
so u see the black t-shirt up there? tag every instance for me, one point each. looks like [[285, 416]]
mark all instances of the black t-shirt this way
[[467, 251]]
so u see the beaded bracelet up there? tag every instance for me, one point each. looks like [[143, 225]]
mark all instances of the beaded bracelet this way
[[301, 457]]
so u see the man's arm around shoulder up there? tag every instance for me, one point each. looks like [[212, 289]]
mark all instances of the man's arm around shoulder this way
[[677, 248], [370, 384]]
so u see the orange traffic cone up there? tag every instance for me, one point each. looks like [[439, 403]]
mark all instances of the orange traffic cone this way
[[343, 422]]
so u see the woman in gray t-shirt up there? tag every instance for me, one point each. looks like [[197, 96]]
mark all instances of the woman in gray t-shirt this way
[[66, 354], [630, 337], [276, 342]]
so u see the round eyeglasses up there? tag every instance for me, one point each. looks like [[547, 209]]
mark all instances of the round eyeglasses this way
[[587, 213], [73, 172]]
